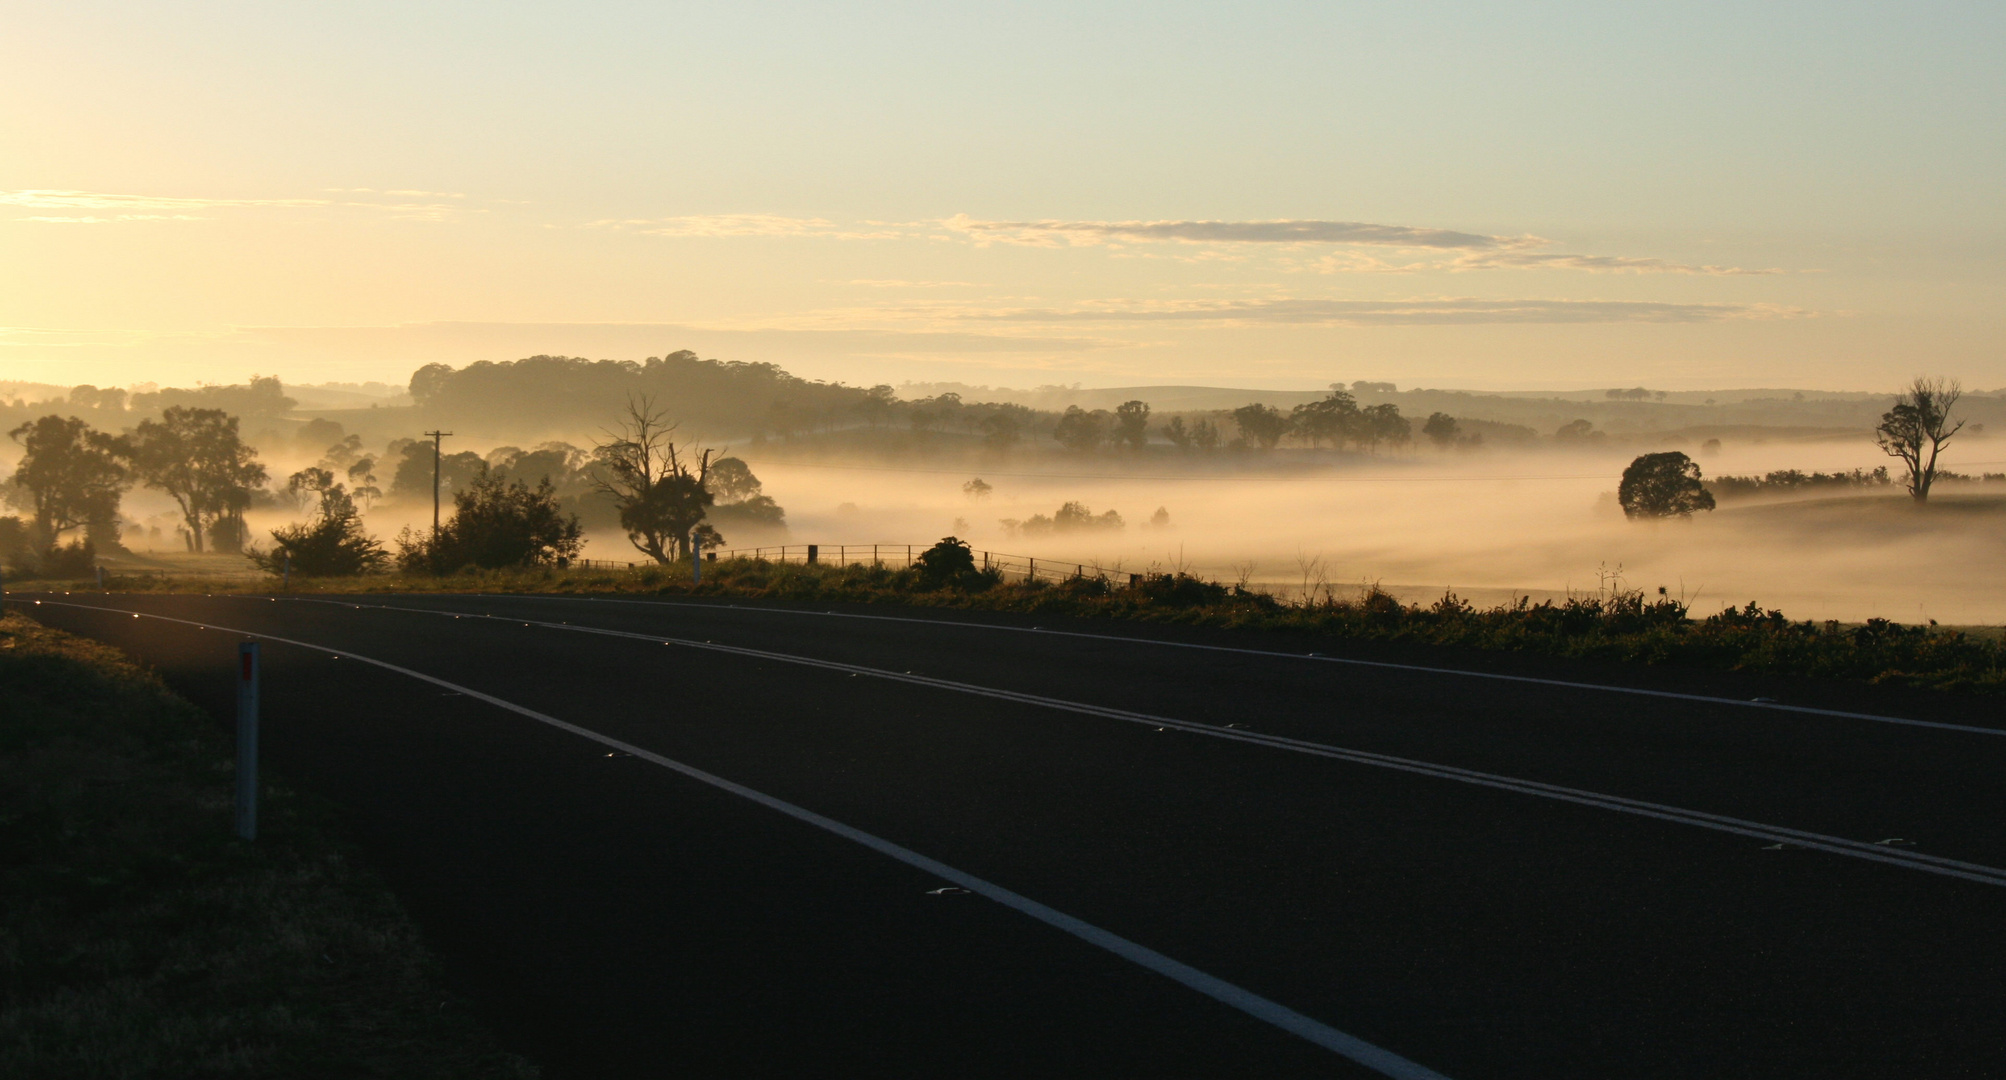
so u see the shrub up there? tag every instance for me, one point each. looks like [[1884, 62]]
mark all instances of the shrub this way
[[495, 524], [332, 545]]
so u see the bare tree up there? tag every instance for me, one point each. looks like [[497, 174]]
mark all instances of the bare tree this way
[[1918, 428], [661, 500]]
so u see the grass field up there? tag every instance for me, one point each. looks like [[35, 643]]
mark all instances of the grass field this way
[[141, 939]]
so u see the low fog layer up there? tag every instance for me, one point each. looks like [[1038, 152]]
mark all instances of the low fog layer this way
[[1520, 503], [1490, 526]]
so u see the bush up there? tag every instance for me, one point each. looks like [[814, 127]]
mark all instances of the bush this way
[[950, 564], [495, 524], [332, 545]]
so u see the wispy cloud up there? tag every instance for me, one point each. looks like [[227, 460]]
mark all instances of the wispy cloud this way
[[894, 283], [123, 207], [758, 225], [1053, 233], [1416, 312], [1594, 264]]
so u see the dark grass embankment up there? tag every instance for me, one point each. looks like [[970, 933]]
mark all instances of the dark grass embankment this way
[[1629, 627], [141, 939]]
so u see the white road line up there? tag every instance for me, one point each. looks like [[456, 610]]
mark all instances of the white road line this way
[[1380, 1060], [1836, 845], [1124, 639]]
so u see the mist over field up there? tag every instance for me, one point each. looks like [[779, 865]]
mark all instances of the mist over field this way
[[1523, 505]]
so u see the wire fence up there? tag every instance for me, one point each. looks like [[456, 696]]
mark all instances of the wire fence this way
[[1010, 567]]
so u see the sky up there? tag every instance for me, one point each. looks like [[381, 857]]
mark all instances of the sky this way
[[1482, 195]]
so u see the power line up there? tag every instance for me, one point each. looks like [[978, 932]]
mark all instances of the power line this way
[[1139, 476]]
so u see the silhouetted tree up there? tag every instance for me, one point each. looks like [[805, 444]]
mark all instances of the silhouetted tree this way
[[72, 475], [1262, 424], [1442, 430], [739, 500], [1081, 431], [411, 479], [1205, 435], [659, 496], [1663, 485], [1177, 433], [1917, 429], [198, 459], [1131, 424], [1335, 418], [1000, 431], [977, 488], [1383, 423]]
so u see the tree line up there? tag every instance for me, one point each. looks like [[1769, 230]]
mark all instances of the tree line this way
[[512, 507]]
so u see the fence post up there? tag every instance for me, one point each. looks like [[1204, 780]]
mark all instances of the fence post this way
[[1032, 575], [813, 551], [247, 740]]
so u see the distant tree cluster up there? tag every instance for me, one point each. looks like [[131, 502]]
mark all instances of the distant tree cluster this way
[[1073, 517], [1793, 482]]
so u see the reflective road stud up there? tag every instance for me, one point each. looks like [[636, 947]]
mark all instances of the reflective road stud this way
[[247, 740]]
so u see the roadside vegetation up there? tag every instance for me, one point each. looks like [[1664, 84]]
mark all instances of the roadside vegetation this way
[[141, 939], [1610, 625]]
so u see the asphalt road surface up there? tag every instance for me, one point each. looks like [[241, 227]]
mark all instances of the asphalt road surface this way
[[688, 839]]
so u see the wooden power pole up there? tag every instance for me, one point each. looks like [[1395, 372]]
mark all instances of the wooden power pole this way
[[436, 437]]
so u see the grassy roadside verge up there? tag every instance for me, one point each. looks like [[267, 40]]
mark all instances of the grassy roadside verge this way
[[140, 939], [1630, 627]]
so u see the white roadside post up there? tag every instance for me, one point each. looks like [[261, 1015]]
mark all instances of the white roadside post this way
[[247, 740], [696, 560], [100, 568]]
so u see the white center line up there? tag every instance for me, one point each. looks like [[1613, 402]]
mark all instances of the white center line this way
[[1836, 845], [1380, 1060], [1773, 706]]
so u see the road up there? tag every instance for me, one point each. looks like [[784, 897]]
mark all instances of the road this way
[[701, 839]]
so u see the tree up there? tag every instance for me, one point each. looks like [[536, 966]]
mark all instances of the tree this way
[[308, 486], [1663, 485], [1178, 434], [1442, 430], [1131, 424], [1263, 424], [412, 477], [977, 488], [1081, 431], [659, 497], [362, 476], [739, 501], [1000, 431], [496, 524], [73, 475], [1917, 429], [1383, 423], [731, 480], [1205, 435], [333, 544], [197, 458], [1335, 418]]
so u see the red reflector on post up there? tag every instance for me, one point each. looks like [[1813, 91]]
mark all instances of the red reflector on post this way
[[245, 656]]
